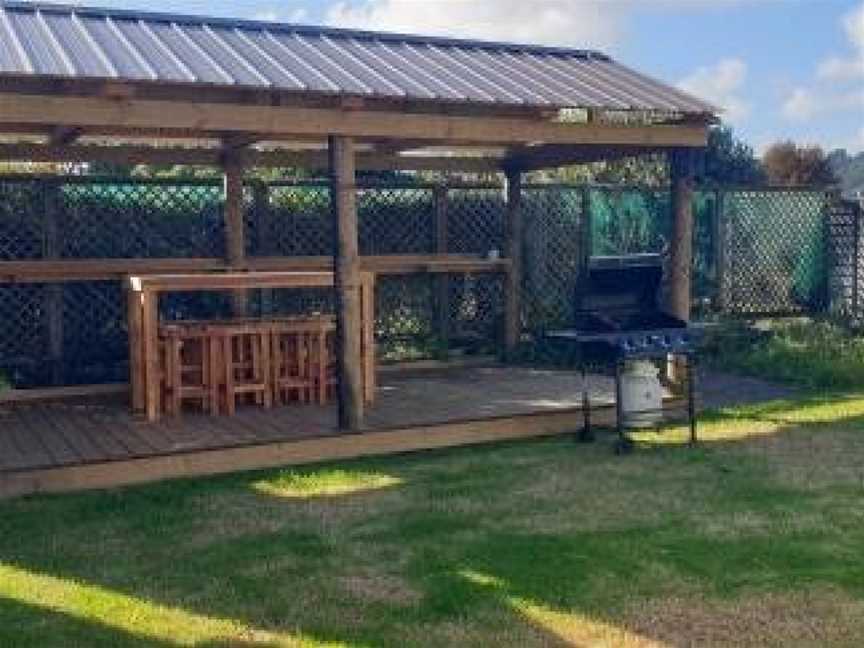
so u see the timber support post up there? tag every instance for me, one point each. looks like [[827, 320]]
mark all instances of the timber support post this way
[[235, 229], [263, 228], [680, 268], [347, 282], [51, 247], [681, 245], [442, 281], [513, 288]]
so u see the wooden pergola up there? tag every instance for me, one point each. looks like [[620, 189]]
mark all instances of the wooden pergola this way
[[47, 118]]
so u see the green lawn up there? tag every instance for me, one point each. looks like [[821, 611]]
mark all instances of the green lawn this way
[[754, 538]]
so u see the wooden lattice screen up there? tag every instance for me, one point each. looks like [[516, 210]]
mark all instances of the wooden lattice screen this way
[[755, 251]]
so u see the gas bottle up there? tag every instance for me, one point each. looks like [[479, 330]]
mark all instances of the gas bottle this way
[[641, 394]]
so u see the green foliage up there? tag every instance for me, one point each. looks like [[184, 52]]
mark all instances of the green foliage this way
[[814, 354], [730, 161]]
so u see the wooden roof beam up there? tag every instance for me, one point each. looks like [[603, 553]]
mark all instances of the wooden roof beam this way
[[63, 135], [313, 160], [552, 155], [280, 121]]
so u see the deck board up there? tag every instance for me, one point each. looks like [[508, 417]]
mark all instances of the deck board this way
[[40, 436]]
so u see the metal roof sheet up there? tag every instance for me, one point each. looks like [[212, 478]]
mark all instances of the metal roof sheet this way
[[65, 41]]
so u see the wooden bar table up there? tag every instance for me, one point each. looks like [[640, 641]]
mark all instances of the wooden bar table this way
[[143, 321]]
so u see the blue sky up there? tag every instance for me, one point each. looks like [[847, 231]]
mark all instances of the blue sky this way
[[782, 68]]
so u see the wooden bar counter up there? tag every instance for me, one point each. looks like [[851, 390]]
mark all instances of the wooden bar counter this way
[[143, 320]]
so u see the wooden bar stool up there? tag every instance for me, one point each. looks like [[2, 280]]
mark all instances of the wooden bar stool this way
[[186, 371], [244, 360], [292, 379], [323, 359]]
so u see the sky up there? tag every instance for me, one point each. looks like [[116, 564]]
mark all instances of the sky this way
[[781, 69]]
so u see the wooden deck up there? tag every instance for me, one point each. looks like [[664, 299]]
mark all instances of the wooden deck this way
[[78, 444]]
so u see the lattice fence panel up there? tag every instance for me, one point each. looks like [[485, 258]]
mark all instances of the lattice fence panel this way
[[95, 340], [477, 310], [706, 275], [132, 220], [20, 219], [845, 268], [405, 317], [396, 220], [22, 334], [552, 254], [776, 259], [475, 221], [629, 220], [300, 222]]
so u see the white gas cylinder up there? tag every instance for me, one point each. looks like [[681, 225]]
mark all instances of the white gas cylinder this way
[[641, 394]]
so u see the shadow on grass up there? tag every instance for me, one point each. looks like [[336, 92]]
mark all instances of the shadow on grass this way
[[435, 548]]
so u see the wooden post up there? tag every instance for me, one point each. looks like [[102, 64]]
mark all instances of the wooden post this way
[[513, 307], [235, 231], [53, 292], [442, 281], [681, 246], [348, 280], [262, 214], [719, 236]]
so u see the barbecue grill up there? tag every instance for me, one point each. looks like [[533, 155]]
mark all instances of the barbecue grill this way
[[618, 320]]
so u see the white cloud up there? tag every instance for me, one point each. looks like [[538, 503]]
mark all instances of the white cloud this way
[[721, 84], [804, 104], [851, 66], [275, 15], [587, 23], [801, 105], [839, 68], [853, 23]]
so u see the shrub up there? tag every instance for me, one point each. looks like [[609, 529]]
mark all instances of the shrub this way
[[814, 354]]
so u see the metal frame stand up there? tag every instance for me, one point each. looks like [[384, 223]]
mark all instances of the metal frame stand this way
[[624, 444]]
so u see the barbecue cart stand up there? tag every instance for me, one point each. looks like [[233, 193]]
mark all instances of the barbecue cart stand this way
[[619, 320]]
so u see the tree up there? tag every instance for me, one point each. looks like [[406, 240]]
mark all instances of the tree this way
[[849, 170], [729, 160], [788, 164]]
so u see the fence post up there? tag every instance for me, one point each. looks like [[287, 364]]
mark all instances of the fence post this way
[[587, 246], [718, 239], [513, 296], [263, 228], [856, 259], [235, 231], [53, 296], [442, 281]]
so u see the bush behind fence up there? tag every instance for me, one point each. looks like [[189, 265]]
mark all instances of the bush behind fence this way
[[756, 252]]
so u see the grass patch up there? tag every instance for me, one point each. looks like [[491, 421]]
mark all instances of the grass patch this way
[[752, 538], [817, 355]]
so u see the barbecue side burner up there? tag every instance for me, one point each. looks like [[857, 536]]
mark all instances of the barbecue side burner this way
[[617, 321]]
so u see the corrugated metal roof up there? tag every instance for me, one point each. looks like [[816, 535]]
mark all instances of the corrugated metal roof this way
[[64, 41]]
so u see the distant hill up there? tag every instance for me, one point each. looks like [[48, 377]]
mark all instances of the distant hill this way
[[850, 170]]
